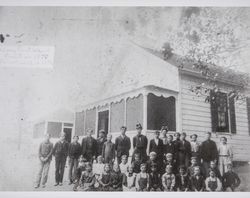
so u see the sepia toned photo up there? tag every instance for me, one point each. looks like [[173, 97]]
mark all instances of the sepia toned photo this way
[[125, 99]]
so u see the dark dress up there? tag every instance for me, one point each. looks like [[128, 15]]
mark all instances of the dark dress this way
[[137, 166], [116, 181], [197, 183], [140, 143], [155, 181], [230, 180], [158, 149], [182, 182], [105, 179], [89, 148]]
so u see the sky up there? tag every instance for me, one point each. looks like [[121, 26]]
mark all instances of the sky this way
[[87, 43]]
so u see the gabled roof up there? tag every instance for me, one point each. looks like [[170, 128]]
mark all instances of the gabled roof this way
[[185, 66]]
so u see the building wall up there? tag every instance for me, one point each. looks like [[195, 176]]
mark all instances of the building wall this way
[[196, 118]]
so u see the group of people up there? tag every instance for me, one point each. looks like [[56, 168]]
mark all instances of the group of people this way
[[172, 164]]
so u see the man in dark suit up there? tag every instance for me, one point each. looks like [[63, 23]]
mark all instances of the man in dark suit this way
[[140, 143], [60, 152], [156, 145], [184, 151], [89, 146], [100, 141], [208, 152], [122, 144]]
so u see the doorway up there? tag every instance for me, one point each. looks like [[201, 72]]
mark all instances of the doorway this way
[[103, 121], [68, 133]]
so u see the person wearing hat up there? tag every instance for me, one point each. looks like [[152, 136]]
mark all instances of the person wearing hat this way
[[184, 151], [156, 145], [122, 144], [208, 152], [195, 147], [89, 146], [140, 143], [100, 141]]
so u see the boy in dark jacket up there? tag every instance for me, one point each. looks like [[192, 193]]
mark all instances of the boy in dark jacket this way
[[197, 182], [154, 179], [74, 154], [182, 180], [230, 180], [137, 163], [60, 152]]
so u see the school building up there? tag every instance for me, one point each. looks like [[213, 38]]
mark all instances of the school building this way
[[152, 91]]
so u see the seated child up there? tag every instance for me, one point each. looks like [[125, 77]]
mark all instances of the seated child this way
[[137, 163], [169, 161], [194, 163], [142, 179], [79, 170], [124, 164], [152, 160], [98, 169], [215, 169], [168, 179], [105, 179], [154, 179], [108, 150], [129, 180], [230, 179], [197, 183], [182, 180], [212, 182], [116, 178], [87, 179]]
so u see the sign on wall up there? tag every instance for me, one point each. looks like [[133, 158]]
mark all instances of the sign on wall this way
[[27, 56]]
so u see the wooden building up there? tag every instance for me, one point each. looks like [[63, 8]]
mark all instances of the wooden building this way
[[149, 90]]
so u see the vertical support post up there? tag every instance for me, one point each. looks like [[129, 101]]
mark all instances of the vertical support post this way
[[84, 121], [125, 112], [96, 123], [145, 112]]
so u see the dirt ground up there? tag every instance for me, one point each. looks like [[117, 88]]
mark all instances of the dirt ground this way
[[18, 173]]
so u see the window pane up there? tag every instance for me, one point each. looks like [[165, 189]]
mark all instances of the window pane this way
[[134, 112], [117, 116], [90, 119], [68, 124], [39, 130], [54, 129], [161, 112], [79, 123]]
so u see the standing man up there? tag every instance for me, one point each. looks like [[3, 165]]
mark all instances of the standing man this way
[[184, 151], [208, 152], [156, 145], [60, 152], [122, 144], [140, 143], [89, 146], [100, 141], [45, 156], [74, 154]]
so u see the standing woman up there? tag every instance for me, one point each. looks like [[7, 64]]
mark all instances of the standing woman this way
[[164, 131]]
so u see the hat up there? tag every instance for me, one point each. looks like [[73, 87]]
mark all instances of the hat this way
[[138, 126], [193, 135], [101, 131]]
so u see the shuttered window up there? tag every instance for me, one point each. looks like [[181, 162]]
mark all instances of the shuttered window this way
[[222, 112]]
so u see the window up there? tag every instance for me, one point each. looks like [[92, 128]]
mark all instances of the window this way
[[54, 129], [222, 112], [134, 112], [79, 123], [39, 130], [117, 116], [161, 112]]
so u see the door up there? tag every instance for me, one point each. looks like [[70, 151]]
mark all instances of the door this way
[[103, 121], [68, 133]]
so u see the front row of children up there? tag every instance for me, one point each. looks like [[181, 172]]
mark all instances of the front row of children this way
[[123, 177]]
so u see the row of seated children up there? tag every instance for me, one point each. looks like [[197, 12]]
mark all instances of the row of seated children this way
[[147, 177]]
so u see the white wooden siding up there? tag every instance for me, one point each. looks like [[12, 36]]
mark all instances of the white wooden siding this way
[[196, 118]]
